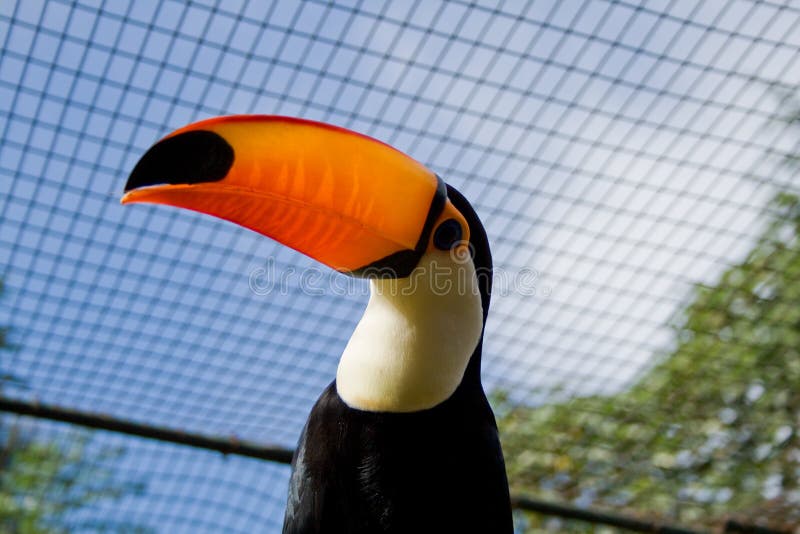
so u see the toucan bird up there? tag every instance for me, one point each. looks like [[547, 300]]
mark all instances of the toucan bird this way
[[403, 440]]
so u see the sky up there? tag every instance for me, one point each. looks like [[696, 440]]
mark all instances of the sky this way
[[614, 150]]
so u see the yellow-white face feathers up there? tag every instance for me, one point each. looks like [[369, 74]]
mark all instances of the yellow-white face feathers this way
[[415, 339]]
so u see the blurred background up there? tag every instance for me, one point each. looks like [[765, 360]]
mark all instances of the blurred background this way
[[636, 164]]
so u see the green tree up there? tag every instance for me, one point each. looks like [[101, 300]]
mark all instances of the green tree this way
[[711, 432], [44, 482]]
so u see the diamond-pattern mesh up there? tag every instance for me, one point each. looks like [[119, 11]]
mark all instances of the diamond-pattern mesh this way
[[617, 151]]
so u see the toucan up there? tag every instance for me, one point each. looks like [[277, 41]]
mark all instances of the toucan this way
[[403, 440]]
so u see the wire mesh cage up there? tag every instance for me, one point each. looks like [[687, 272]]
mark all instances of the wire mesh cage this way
[[635, 165]]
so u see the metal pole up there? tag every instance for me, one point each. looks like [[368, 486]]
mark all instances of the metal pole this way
[[597, 517], [229, 445]]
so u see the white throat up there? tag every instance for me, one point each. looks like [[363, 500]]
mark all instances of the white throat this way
[[412, 346]]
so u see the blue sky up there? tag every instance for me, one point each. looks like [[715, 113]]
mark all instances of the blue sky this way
[[615, 148]]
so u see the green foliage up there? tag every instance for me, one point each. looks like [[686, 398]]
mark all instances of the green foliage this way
[[43, 483], [709, 433]]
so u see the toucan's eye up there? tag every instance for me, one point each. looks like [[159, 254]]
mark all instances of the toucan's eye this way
[[447, 235]]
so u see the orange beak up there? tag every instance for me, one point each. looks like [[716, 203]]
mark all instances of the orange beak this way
[[344, 199]]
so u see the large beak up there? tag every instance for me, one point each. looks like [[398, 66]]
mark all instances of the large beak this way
[[346, 200]]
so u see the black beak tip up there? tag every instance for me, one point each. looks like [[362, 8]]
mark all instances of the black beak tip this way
[[188, 158]]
